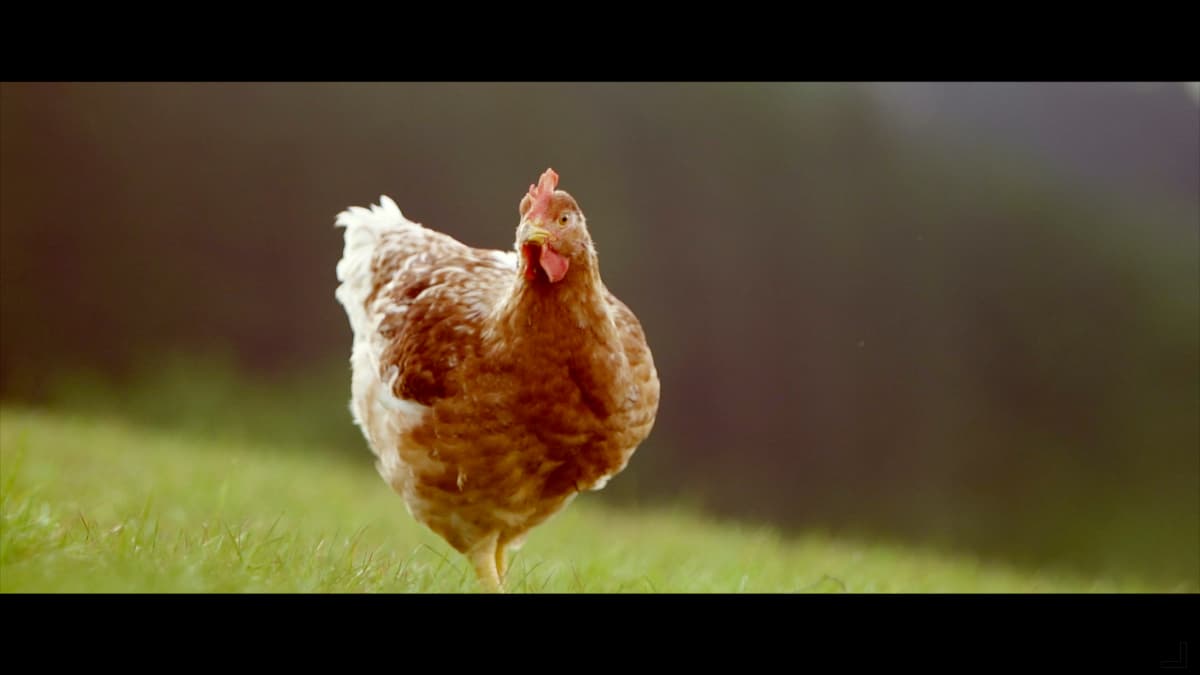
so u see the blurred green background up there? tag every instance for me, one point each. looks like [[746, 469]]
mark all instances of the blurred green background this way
[[959, 315]]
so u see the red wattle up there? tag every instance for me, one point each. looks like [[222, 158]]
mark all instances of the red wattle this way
[[554, 264]]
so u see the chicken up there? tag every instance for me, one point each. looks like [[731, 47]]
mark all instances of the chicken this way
[[492, 386]]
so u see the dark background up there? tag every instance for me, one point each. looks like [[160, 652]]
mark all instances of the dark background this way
[[963, 315]]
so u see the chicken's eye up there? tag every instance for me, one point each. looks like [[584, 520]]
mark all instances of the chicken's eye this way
[[564, 219]]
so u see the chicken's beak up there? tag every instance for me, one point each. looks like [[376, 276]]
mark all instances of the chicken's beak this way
[[537, 249], [532, 234]]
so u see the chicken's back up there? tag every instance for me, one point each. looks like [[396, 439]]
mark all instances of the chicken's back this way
[[415, 299]]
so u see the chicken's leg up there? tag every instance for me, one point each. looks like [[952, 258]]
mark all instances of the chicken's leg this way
[[484, 556], [502, 560]]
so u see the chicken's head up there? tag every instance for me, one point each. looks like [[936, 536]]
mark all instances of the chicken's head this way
[[553, 234]]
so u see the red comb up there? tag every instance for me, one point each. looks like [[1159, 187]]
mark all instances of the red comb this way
[[541, 192]]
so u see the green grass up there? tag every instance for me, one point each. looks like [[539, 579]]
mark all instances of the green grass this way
[[95, 505]]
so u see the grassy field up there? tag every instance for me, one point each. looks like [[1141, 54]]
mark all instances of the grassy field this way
[[94, 505]]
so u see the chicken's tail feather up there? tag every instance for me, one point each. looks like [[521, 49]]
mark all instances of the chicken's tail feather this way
[[364, 227]]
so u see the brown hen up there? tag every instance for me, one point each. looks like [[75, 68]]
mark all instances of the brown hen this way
[[493, 386]]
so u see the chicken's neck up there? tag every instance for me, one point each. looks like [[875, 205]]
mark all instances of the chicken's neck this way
[[567, 329], [576, 306]]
